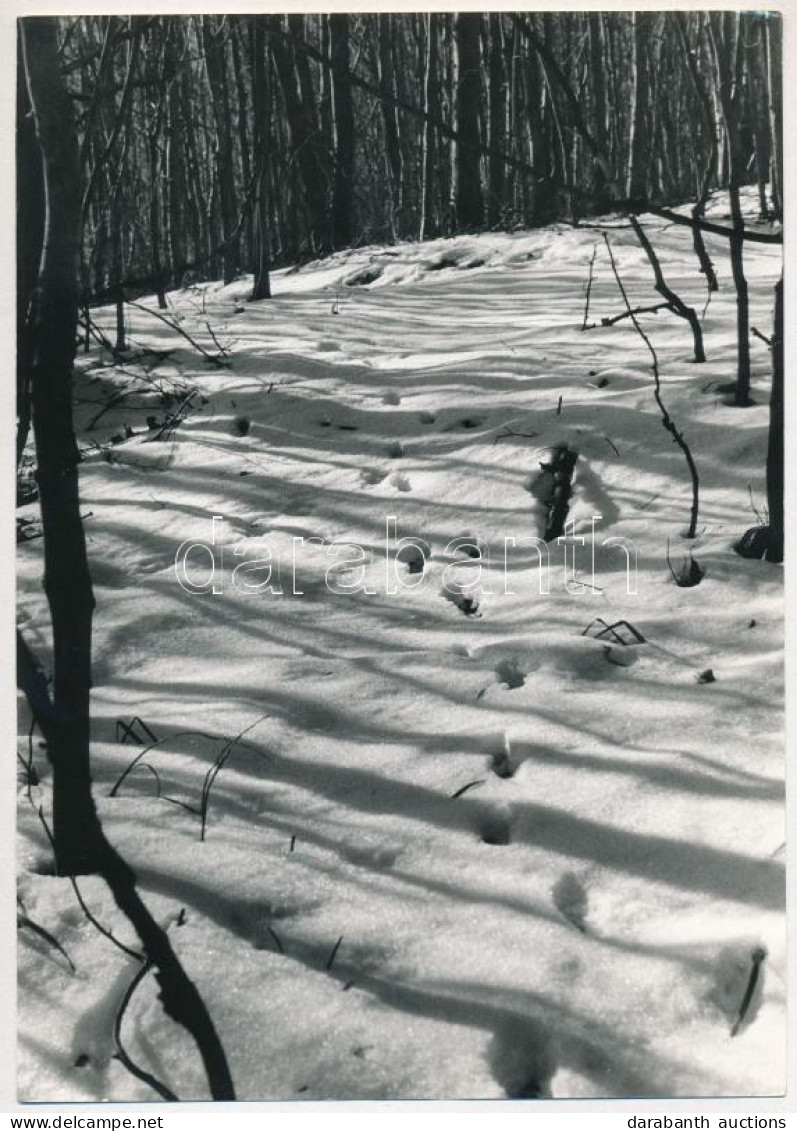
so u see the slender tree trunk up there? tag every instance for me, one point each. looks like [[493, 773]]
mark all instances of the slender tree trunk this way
[[53, 327], [710, 168], [79, 842], [30, 234], [774, 552], [261, 103], [469, 201], [637, 188], [387, 83], [343, 119], [213, 45], [312, 173], [430, 99], [773, 31], [726, 45], [497, 133]]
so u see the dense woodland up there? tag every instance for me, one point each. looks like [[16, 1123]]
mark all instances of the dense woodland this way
[[171, 150], [220, 143]]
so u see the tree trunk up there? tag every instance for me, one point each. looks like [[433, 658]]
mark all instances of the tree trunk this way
[[725, 32], [261, 103], [30, 233], [774, 551], [53, 328], [385, 74], [773, 31], [343, 121], [213, 44], [637, 188], [312, 173], [497, 135], [79, 842], [469, 202], [430, 99]]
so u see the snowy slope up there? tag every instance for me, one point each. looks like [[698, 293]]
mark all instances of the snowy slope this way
[[581, 919]]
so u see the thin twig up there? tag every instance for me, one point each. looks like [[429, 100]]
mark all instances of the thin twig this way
[[213, 358], [666, 420], [589, 286], [134, 1070]]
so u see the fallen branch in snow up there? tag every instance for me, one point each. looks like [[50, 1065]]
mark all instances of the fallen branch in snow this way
[[611, 629], [130, 1065], [214, 359], [83, 905], [615, 318], [333, 953], [23, 921], [758, 956], [611, 444], [667, 422], [589, 286], [464, 788]]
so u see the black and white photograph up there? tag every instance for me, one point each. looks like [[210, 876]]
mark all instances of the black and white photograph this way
[[399, 555]]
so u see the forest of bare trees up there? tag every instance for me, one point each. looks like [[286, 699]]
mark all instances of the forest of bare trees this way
[[210, 143], [156, 152]]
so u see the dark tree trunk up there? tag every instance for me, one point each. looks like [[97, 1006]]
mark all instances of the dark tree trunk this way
[[312, 173], [53, 328], [387, 83], [430, 100], [343, 119], [639, 158], [773, 30], [468, 200], [726, 45], [30, 233], [261, 102], [213, 44], [710, 167], [79, 842], [774, 551], [497, 136]]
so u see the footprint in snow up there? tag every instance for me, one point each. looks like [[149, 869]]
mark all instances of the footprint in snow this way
[[502, 764], [509, 674], [494, 823], [391, 397], [400, 482], [570, 899], [372, 475], [522, 1059], [426, 417]]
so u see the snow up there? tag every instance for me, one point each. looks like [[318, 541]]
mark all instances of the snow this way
[[548, 866]]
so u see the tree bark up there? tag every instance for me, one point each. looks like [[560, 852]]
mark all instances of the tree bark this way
[[497, 134], [214, 47], [78, 839], [312, 174], [637, 186], [261, 103], [430, 98], [468, 197], [775, 468], [726, 45], [343, 121], [387, 83]]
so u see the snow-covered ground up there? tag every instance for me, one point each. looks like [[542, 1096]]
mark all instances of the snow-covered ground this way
[[459, 852]]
